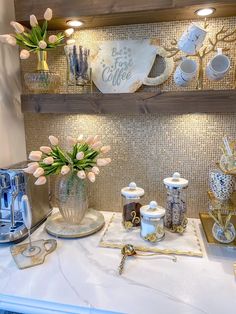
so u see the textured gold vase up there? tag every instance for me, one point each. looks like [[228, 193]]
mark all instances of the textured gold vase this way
[[42, 61], [42, 81]]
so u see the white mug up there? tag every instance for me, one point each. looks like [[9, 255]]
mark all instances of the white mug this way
[[218, 66], [192, 39], [185, 72]]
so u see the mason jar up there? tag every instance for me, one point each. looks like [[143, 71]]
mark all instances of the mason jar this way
[[131, 204], [152, 222], [175, 218]]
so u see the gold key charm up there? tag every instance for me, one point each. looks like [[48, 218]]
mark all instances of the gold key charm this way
[[127, 250]]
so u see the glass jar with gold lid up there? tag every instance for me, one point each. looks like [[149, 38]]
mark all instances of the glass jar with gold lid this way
[[152, 222], [176, 219], [131, 203]]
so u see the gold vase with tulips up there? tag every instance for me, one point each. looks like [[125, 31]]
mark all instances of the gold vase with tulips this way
[[39, 42]]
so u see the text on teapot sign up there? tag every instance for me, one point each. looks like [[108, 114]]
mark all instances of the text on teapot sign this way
[[120, 69]]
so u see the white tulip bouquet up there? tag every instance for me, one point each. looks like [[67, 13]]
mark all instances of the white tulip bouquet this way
[[35, 39], [82, 159]]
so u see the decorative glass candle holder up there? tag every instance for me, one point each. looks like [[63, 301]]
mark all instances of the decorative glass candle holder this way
[[152, 222], [131, 197], [175, 218], [42, 80]]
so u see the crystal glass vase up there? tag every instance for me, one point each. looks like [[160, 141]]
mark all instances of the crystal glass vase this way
[[71, 197], [42, 80]]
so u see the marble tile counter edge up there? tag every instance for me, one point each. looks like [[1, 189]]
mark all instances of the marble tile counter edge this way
[[26, 306]]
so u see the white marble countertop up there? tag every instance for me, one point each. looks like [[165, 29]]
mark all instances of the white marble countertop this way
[[80, 277]]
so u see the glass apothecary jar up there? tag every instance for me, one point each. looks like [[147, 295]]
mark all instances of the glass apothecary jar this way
[[152, 222], [131, 204], [175, 218]]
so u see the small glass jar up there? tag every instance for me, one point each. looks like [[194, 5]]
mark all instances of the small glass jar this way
[[131, 197], [175, 218], [152, 222]]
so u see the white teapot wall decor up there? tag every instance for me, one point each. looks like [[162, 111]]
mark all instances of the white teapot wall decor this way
[[122, 66]]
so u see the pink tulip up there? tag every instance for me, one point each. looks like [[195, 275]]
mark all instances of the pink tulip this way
[[96, 145], [65, 169], [41, 180], [24, 54], [38, 172], [48, 14], [52, 39], [95, 170], [3, 38], [68, 32], [96, 138], [105, 149], [80, 156], [18, 27], [34, 163], [80, 138], [33, 20], [11, 40], [48, 161], [103, 161], [8, 39], [70, 41], [71, 140], [81, 174], [28, 170], [108, 160], [45, 149], [35, 155], [32, 167], [42, 44], [91, 177], [53, 140], [89, 140]]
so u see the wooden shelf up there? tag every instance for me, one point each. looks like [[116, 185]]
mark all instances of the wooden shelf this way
[[207, 101], [118, 12]]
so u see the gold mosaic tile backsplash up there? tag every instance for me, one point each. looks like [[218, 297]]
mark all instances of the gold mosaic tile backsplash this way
[[145, 148], [165, 32]]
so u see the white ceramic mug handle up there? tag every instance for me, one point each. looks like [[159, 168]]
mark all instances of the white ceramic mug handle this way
[[219, 51], [169, 67]]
